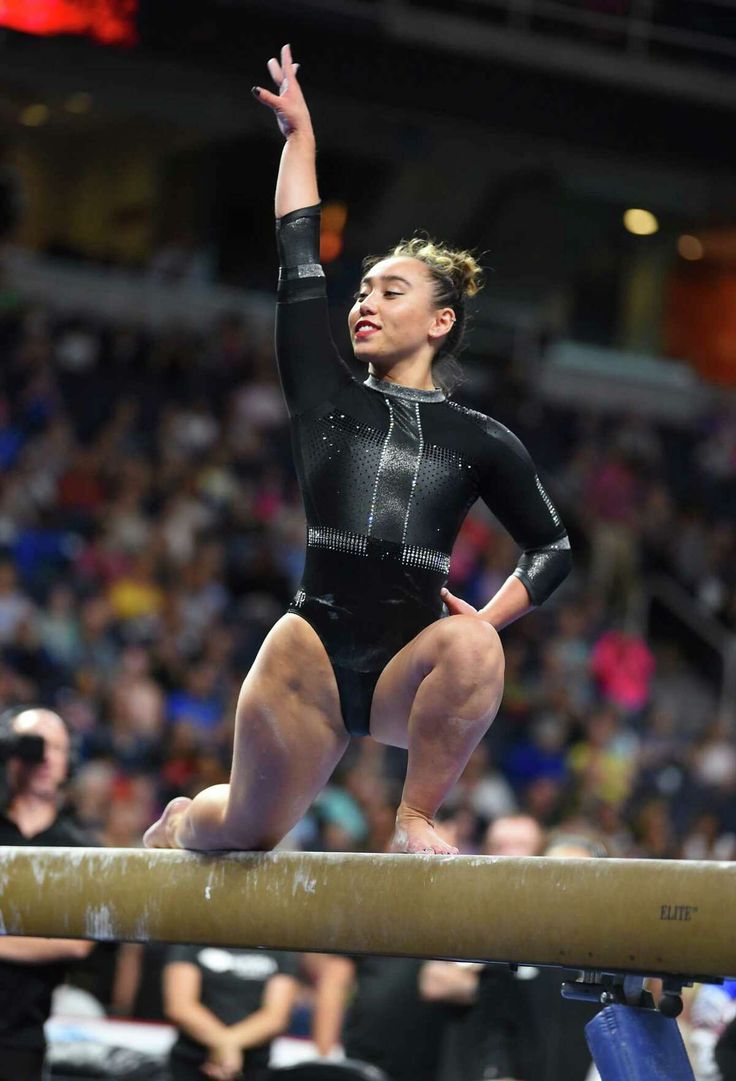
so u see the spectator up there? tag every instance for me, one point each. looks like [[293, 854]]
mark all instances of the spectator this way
[[198, 704], [613, 500], [623, 665], [514, 835], [556, 1027], [388, 1024], [604, 760], [486, 1033], [15, 607], [228, 1006], [30, 968]]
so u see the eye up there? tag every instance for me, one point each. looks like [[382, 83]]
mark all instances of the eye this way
[[392, 293], [359, 296]]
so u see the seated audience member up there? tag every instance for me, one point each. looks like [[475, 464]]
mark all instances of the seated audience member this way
[[514, 835], [386, 1023], [486, 1034], [228, 1005], [487, 1030], [556, 1026], [512, 1025]]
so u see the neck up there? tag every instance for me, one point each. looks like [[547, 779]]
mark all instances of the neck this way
[[415, 372], [32, 813]]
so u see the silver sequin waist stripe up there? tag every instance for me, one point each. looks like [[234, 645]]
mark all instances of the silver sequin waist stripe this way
[[357, 544]]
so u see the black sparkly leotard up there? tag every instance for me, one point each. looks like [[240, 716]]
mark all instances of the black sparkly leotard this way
[[387, 474]]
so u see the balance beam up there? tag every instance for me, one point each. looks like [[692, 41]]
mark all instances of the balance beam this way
[[653, 917]]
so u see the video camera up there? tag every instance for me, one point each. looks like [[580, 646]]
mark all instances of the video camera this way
[[29, 749]]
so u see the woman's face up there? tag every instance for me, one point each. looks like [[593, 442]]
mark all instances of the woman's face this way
[[394, 316]]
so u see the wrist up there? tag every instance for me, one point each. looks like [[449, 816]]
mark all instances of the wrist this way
[[303, 137]]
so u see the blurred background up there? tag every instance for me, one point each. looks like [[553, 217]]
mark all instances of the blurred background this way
[[150, 528]]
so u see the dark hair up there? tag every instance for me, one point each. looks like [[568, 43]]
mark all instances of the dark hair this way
[[456, 275]]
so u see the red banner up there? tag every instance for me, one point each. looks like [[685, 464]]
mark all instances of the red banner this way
[[109, 21]]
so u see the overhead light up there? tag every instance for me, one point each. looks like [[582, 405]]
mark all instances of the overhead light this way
[[33, 116], [78, 103], [690, 247], [640, 222]]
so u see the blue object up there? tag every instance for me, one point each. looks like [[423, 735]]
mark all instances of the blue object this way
[[189, 708], [631, 1044]]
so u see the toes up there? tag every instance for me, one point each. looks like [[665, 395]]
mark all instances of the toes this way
[[159, 834], [151, 834]]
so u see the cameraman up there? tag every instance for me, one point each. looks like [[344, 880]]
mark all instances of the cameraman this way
[[31, 814]]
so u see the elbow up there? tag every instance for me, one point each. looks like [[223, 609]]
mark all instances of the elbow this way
[[543, 570], [563, 567], [175, 1013]]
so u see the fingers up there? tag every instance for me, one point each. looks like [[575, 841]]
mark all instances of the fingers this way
[[276, 71], [287, 62], [456, 606], [265, 96], [282, 71]]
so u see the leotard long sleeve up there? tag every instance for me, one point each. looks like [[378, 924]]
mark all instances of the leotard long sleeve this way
[[387, 474]]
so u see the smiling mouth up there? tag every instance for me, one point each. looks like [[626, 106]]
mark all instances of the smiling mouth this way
[[363, 329]]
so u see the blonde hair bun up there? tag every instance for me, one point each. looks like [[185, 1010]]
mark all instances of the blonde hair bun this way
[[460, 266]]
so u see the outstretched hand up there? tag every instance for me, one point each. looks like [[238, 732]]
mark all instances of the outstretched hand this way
[[289, 105], [456, 606]]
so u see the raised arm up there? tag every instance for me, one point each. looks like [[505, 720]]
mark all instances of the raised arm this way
[[309, 364], [296, 186]]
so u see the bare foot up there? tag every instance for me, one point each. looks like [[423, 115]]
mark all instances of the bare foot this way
[[162, 834], [416, 834]]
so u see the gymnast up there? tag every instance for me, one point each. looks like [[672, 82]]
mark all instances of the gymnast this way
[[388, 468]]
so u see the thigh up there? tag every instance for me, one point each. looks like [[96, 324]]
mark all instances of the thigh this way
[[289, 733], [399, 682]]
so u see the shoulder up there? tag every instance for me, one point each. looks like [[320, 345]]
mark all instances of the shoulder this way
[[498, 437]]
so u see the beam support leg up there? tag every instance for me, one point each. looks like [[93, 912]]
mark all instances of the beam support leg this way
[[632, 1044]]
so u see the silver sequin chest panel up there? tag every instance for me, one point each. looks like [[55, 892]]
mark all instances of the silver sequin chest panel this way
[[386, 484]]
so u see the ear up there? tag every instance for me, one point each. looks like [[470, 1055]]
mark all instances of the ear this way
[[442, 324]]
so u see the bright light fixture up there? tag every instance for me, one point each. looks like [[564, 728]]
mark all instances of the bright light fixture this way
[[640, 222]]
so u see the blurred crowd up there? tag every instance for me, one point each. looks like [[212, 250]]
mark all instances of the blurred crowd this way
[[151, 532]]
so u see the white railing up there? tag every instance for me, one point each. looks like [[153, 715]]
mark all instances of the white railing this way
[[638, 26], [115, 295]]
